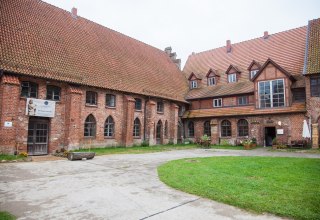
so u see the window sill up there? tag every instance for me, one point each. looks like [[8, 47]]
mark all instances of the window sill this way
[[109, 137], [111, 107], [137, 110], [89, 105], [89, 137], [160, 113], [137, 137]]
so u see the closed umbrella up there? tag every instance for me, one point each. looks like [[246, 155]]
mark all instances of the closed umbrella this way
[[305, 131]]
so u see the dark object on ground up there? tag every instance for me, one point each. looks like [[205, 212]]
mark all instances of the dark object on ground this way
[[80, 155]]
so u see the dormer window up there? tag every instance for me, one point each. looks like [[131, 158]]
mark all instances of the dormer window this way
[[211, 81], [253, 73], [232, 78], [193, 84]]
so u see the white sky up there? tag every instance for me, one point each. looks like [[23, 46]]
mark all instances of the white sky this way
[[195, 25]]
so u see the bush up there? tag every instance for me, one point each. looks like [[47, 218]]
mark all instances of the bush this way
[[254, 140], [144, 144], [224, 142], [23, 154]]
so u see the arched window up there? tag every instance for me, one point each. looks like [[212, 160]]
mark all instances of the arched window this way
[[243, 128], [207, 128], [159, 129], [109, 127], [225, 128], [136, 128], [190, 129], [166, 129], [90, 126]]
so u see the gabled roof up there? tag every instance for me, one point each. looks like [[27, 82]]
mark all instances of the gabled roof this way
[[195, 75], [215, 72], [270, 61], [312, 64], [285, 48], [233, 67], [254, 63], [41, 40]]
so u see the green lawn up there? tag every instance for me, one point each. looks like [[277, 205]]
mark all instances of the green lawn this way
[[287, 187], [138, 150], [11, 157], [6, 216], [229, 147]]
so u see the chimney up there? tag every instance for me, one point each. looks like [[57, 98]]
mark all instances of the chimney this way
[[168, 50], [173, 57], [228, 46], [74, 12], [265, 35]]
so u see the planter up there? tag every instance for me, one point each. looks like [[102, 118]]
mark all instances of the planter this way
[[81, 155], [253, 145], [247, 146]]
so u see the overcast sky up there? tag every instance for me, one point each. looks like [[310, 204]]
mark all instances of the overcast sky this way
[[195, 25]]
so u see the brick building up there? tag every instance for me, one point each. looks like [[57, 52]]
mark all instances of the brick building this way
[[256, 89], [69, 82]]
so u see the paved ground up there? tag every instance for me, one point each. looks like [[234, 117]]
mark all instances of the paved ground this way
[[111, 187]]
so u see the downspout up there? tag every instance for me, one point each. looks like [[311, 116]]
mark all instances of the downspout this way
[[145, 119]]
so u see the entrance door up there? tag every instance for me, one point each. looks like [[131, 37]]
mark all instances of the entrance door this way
[[270, 134], [159, 132], [38, 136]]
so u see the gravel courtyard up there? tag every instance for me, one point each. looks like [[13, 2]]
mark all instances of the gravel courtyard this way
[[112, 187]]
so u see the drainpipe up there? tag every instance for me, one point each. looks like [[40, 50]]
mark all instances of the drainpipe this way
[[145, 119]]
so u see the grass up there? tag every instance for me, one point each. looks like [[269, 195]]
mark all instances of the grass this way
[[11, 157], [309, 151], [137, 150], [6, 216], [229, 147], [288, 187]]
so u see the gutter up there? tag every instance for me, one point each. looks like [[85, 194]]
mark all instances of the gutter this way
[[306, 51]]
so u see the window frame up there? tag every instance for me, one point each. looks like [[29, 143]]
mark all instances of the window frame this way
[[207, 128], [271, 93], [29, 88], [255, 71], [109, 101], [232, 76], [193, 84], [160, 107], [214, 103], [243, 129], [109, 127], [211, 81], [136, 128], [135, 104], [92, 130], [53, 92], [190, 129], [95, 98], [241, 97], [315, 89], [224, 132]]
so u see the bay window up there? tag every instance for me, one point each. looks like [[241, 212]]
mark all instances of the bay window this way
[[271, 93]]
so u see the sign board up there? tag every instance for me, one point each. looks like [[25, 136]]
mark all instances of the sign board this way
[[40, 107], [279, 131], [8, 124]]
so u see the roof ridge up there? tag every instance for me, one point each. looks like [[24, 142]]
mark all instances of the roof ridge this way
[[237, 43]]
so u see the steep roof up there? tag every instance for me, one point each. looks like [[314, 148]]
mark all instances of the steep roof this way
[[41, 40], [285, 48], [313, 47]]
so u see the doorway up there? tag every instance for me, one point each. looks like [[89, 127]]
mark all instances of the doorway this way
[[159, 132], [38, 130], [269, 134]]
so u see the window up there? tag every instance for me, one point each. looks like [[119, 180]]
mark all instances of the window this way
[[166, 129], [109, 127], [160, 107], [243, 128], [211, 81], [53, 93], [190, 129], [91, 98], [299, 95], [271, 93], [207, 128], [253, 73], [315, 86], [110, 100], [29, 90], [217, 102], [232, 77], [243, 100], [225, 128], [136, 128], [193, 84], [90, 126], [138, 104]]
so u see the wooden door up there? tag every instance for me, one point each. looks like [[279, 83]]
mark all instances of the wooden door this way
[[38, 136]]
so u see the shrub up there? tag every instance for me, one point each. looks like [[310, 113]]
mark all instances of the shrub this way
[[144, 144], [23, 154], [254, 140], [224, 142]]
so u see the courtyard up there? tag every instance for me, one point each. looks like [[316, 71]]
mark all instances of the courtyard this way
[[122, 186]]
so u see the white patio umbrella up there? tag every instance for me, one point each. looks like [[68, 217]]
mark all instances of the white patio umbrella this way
[[305, 131]]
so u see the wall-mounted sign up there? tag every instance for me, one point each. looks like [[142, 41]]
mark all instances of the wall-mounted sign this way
[[40, 107], [8, 124], [279, 131]]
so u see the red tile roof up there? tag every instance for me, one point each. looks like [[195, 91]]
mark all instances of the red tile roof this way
[[41, 40], [313, 47], [243, 111]]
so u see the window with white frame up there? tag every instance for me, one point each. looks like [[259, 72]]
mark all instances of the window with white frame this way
[[193, 84], [232, 77], [217, 102], [253, 73], [243, 100], [271, 93], [211, 81]]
